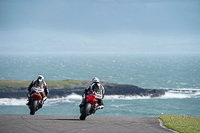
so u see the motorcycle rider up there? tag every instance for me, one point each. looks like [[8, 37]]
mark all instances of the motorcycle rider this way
[[38, 85], [97, 89]]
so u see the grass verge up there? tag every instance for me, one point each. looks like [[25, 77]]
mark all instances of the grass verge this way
[[183, 124], [25, 83]]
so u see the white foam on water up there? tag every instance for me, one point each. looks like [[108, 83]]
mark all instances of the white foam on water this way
[[125, 97], [181, 93], [175, 95], [48, 102], [74, 96], [68, 99], [12, 101]]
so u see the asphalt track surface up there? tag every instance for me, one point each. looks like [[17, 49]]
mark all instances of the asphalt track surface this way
[[72, 124]]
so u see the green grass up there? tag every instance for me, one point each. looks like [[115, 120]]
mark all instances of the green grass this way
[[25, 83], [14, 83], [183, 124], [66, 83]]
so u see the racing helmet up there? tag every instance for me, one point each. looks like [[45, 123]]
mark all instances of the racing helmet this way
[[40, 78], [94, 80]]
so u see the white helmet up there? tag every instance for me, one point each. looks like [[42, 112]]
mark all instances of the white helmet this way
[[94, 80], [40, 78]]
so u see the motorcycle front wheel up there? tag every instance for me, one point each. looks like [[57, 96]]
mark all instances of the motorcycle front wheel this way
[[85, 111], [33, 107]]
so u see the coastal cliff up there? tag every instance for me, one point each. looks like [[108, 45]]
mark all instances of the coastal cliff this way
[[62, 91]]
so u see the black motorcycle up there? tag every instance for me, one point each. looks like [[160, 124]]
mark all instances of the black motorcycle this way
[[90, 107], [36, 102]]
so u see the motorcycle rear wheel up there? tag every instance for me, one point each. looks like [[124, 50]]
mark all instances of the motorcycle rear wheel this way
[[33, 107], [85, 111]]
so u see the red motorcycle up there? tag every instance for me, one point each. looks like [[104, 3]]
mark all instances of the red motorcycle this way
[[36, 102], [89, 107]]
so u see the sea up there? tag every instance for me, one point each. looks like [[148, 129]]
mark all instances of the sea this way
[[180, 73]]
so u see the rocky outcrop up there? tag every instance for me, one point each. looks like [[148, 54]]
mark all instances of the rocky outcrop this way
[[118, 89], [110, 89]]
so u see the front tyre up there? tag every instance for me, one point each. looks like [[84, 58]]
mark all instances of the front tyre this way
[[85, 111], [33, 107]]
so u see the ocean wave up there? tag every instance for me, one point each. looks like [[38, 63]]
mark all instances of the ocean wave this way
[[125, 97], [12, 101], [74, 98], [169, 95], [182, 93], [49, 102]]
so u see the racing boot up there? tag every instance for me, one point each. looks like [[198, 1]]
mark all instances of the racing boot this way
[[100, 107], [40, 104], [82, 105], [29, 99]]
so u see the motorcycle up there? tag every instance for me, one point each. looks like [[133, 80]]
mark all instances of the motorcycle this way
[[36, 102], [89, 107]]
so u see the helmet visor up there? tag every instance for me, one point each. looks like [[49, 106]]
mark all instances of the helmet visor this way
[[40, 79]]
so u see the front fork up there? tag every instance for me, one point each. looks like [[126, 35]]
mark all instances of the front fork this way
[[39, 104]]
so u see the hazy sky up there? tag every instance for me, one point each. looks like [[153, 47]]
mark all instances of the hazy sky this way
[[119, 26]]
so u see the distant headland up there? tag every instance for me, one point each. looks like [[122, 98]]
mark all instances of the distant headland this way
[[62, 88]]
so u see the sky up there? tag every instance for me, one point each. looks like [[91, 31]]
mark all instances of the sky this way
[[99, 26]]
